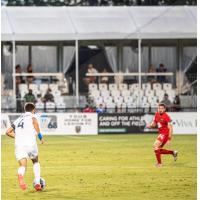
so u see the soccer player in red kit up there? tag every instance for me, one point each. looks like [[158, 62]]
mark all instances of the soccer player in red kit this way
[[163, 121]]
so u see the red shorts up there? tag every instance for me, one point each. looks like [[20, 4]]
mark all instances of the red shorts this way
[[163, 138]]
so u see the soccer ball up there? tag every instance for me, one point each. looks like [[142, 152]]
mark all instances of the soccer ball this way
[[42, 183]]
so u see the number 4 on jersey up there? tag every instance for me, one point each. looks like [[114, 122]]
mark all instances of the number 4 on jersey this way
[[21, 124]]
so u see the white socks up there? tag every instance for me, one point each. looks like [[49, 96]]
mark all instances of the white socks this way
[[21, 170], [36, 170]]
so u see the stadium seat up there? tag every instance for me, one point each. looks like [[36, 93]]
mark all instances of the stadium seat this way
[[103, 86], [50, 107], [33, 86], [134, 87], [157, 86], [159, 93], [43, 88], [115, 93], [123, 86], [92, 86], [152, 99], [39, 106], [118, 99], [137, 93], [56, 93], [94, 93], [149, 93], [146, 86], [53, 87], [167, 86], [110, 107], [107, 99], [125, 93], [128, 99], [113, 86], [144, 99], [59, 99], [105, 93], [98, 100], [23, 87], [60, 106], [145, 106]]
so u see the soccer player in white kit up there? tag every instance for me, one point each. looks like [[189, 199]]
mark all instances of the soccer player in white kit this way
[[24, 130]]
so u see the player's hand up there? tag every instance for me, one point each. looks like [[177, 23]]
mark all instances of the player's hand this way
[[42, 141], [148, 126], [168, 142]]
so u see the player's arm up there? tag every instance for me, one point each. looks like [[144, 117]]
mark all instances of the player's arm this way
[[37, 128], [170, 127], [10, 132], [152, 125]]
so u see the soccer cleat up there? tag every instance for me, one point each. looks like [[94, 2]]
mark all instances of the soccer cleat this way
[[38, 187], [175, 154], [159, 165], [22, 185]]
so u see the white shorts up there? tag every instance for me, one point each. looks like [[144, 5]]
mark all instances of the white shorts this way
[[28, 152]]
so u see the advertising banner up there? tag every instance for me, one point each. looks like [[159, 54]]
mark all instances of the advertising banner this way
[[121, 123], [59, 124], [183, 123]]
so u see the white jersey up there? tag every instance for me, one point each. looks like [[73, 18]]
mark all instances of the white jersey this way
[[25, 133]]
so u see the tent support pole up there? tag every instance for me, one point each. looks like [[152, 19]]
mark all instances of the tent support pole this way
[[139, 70], [139, 62], [13, 63], [77, 75]]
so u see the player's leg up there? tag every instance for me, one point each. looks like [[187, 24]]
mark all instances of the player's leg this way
[[21, 172], [166, 151], [157, 145], [36, 171]]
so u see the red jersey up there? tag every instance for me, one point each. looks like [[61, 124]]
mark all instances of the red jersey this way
[[88, 110], [162, 120]]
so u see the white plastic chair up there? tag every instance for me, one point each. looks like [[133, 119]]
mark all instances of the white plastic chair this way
[[149, 93], [43, 87], [128, 99], [112, 86], [103, 86], [33, 86], [146, 86], [50, 107], [167, 86], [157, 86], [125, 93], [105, 93], [134, 87], [123, 86], [92, 86], [118, 99], [115, 93], [108, 99], [39, 106]]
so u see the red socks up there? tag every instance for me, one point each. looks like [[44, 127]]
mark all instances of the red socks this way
[[158, 156], [165, 151], [158, 153]]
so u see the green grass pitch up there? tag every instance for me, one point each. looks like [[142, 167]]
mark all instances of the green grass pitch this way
[[104, 167]]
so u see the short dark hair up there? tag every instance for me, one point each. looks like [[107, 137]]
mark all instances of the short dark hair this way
[[29, 107], [162, 104]]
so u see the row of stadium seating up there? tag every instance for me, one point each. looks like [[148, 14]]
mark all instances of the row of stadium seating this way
[[41, 89], [124, 95]]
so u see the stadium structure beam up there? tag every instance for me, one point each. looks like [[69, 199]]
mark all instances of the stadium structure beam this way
[[13, 63], [139, 63], [77, 74]]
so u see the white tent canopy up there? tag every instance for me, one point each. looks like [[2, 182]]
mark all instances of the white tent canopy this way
[[95, 23]]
